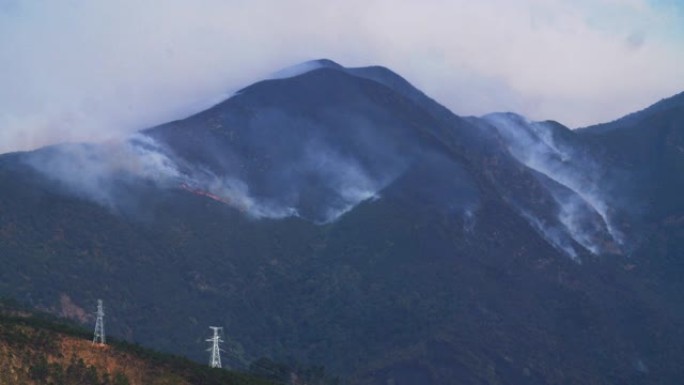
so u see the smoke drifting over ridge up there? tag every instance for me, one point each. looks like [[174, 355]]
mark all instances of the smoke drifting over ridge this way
[[140, 64]]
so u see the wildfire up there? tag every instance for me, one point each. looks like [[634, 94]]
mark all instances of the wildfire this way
[[203, 193]]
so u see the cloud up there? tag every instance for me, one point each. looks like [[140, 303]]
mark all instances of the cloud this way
[[83, 70]]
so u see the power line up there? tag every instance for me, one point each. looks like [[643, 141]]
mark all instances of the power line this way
[[215, 359], [99, 335]]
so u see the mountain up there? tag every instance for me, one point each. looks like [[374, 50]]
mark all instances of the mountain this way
[[38, 349], [340, 217], [650, 144]]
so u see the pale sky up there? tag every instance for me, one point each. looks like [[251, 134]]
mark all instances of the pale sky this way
[[83, 70]]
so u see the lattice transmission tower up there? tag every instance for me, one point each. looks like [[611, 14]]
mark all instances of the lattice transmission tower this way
[[215, 359], [99, 336]]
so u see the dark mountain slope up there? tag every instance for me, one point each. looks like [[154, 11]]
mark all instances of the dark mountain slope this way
[[318, 123], [341, 217], [324, 126], [650, 144]]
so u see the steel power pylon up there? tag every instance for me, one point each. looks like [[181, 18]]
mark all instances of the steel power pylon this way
[[99, 336], [215, 360]]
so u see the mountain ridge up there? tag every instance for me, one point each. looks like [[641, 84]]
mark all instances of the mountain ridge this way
[[672, 102]]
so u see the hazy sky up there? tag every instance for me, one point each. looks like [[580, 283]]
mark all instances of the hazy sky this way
[[76, 70]]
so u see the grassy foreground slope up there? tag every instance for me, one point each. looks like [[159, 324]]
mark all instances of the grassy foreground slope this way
[[35, 349]]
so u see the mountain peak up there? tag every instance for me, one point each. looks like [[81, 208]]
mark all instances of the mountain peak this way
[[504, 115], [326, 63], [304, 67]]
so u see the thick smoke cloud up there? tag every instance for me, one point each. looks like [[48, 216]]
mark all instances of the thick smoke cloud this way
[[84, 70]]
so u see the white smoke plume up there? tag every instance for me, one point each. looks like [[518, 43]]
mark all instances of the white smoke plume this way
[[96, 171], [533, 144], [553, 235], [92, 171]]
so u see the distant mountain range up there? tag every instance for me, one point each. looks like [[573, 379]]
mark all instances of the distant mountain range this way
[[340, 217]]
